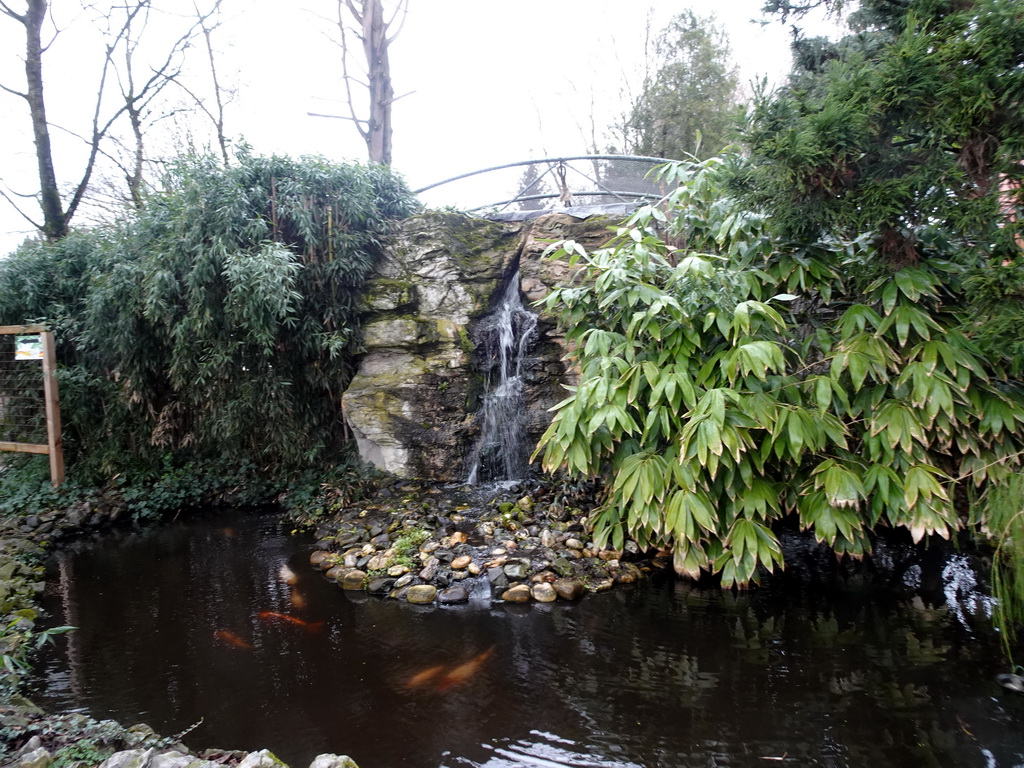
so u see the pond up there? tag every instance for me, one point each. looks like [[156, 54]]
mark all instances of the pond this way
[[219, 620]]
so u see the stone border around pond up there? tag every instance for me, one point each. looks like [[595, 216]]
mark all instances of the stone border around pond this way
[[437, 544]]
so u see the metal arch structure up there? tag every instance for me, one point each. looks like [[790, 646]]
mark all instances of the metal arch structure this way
[[558, 169]]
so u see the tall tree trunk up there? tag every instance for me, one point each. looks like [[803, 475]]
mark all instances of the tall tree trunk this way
[[375, 47], [55, 225]]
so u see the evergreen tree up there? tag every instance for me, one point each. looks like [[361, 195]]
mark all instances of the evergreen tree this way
[[689, 106]]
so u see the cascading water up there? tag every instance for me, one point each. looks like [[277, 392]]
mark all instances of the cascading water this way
[[503, 337]]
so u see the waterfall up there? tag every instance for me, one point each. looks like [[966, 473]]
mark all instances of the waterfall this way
[[503, 338]]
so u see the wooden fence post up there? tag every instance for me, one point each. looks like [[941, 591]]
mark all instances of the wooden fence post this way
[[52, 409]]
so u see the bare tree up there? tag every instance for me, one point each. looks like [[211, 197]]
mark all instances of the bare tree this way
[[55, 216], [365, 20], [208, 22], [124, 26], [138, 95]]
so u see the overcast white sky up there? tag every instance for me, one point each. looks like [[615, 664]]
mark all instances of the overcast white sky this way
[[488, 82]]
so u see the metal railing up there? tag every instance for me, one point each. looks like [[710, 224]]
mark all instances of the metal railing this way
[[560, 173]]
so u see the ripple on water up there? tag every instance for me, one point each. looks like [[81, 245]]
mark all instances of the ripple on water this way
[[546, 750]]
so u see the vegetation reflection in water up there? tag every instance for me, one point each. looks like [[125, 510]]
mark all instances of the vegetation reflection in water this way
[[194, 621]]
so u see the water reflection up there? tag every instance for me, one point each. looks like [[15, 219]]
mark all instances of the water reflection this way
[[658, 675]]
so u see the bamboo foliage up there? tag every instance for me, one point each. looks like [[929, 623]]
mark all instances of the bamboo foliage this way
[[223, 319], [728, 381]]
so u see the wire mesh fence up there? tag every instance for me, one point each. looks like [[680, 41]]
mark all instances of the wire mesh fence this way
[[29, 404], [22, 398]]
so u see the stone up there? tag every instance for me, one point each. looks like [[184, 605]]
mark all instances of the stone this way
[[36, 758], [398, 570], [516, 570], [474, 569], [573, 543], [31, 745], [131, 758], [568, 589], [496, 576], [429, 571], [380, 586], [377, 563], [453, 595], [174, 759], [333, 761], [421, 594], [628, 573], [525, 504], [458, 538], [562, 567], [520, 593], [461, 562], [149, 758], [336, 572], [548, 540], [353, 580], [405, 581], [544, 593], [262, 759], [601, 585]]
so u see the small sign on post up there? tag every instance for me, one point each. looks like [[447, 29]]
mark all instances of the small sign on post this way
[[28, 347], [32, 343]]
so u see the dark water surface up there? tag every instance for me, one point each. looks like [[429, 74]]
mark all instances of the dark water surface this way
[[654, 675]]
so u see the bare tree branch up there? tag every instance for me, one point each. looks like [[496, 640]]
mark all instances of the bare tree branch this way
[[8, 11], [363, 126], [372, 32], [218, 121], [401, 13], [335, 117], [17, 208], [13, 92]]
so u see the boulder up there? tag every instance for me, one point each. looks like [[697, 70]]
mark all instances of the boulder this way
[[333, 761], [353, 580], [36, 758], [544, 593], [520, 593], [262, 759], [421, 594], [453, 595], [569, 589], [412, 402]]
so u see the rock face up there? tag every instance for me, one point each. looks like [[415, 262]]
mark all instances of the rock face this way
[[414, 401]]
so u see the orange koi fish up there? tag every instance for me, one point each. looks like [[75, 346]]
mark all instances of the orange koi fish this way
[[309, 626], [287, 575], [424, 676], [462, 673], [232, 639]]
